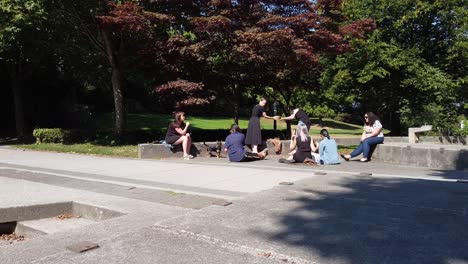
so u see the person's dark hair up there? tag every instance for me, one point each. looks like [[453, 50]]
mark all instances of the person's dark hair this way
[[325, 133], [262, 99], [371, 118], [178, 118], [234, 129]]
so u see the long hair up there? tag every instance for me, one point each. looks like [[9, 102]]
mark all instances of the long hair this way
[[325, 133], [234, 129], [302, 132], [178, 118], [371, 118]]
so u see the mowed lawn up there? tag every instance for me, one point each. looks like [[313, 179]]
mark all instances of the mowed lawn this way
[[127, 151], [161, 121]]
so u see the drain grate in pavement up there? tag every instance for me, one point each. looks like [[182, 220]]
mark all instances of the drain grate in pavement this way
[[82, 246], [222, 203], [320, 173]]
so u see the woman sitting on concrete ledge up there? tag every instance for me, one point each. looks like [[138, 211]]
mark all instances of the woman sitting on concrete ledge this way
[[234, 145], [177, 134], [371, 136]]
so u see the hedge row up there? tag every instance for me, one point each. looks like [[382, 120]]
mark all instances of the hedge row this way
[[70, 136], [59, 135]]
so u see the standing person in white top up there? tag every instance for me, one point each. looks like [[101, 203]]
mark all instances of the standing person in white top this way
[[372, 135]]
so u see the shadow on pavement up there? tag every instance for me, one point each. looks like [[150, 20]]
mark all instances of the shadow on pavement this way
[[369, 220]]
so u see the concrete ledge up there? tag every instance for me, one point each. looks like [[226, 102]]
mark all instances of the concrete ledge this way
[[153, 151], [434, 156], [443, 140]]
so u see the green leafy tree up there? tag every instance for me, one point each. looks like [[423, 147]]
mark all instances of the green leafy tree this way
[[23, 46], [121, 31], [406, 63]]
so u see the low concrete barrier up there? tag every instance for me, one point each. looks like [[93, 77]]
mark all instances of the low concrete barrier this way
[[414, 132], [445, 157], [453, 140], [155, 151]]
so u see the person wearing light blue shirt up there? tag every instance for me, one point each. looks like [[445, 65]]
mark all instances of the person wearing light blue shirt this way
[[328, 149]]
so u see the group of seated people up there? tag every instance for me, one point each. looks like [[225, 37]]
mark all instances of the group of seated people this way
[[304, 148]]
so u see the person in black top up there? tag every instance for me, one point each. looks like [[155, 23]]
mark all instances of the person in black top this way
[[177, 134], [254, 132], [300, 115], [303, 144]]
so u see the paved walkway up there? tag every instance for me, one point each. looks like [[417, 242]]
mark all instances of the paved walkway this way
[[178, 212]]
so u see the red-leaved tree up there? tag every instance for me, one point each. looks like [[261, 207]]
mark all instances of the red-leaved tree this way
[[241, 47]]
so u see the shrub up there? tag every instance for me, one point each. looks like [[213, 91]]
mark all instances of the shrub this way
[[59, 135], [49, 135]]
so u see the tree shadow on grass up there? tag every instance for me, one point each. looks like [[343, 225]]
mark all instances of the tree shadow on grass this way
[[369, 220]]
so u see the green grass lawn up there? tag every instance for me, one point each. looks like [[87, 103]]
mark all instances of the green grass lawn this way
[[161, 121], [129, 151]]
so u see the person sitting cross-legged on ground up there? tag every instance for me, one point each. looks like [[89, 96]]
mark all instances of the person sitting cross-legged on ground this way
[[327, 149], [371, 136], [234, 145], [177, 134], [302, 142]]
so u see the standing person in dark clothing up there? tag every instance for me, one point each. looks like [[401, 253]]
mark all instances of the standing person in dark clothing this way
[[254, 132], [234, 145], [303, 144], [301, 116], [177, 134]]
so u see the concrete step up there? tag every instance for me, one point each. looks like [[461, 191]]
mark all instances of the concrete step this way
[[54, 224]]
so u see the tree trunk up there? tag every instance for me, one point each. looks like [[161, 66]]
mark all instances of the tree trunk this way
[[395, 124], [17, 87], [117, 81], [236, 114]]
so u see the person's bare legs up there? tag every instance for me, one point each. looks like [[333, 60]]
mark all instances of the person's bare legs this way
[[184, 140], [189, 144]]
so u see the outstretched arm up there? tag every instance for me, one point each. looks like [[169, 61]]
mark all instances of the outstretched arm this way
[[267, 116], [292, 116]]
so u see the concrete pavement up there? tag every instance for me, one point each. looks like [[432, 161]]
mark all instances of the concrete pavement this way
[[355, 213]]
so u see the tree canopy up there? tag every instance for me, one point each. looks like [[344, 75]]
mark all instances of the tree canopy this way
[[405, 60]]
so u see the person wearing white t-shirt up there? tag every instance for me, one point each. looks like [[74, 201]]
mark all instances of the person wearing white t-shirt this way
[[372, 135]]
